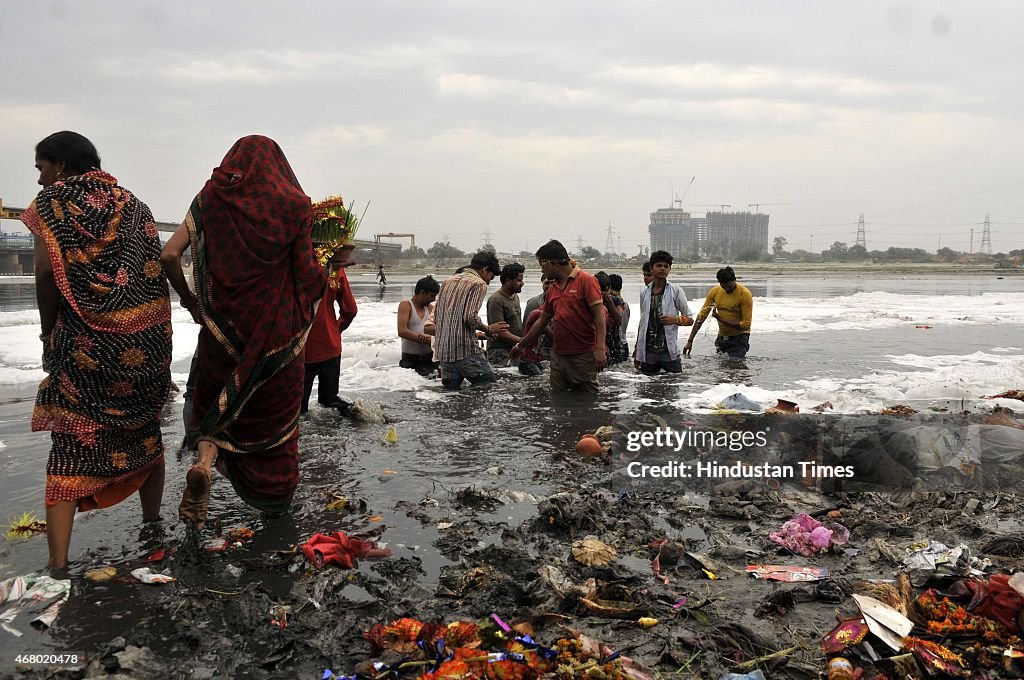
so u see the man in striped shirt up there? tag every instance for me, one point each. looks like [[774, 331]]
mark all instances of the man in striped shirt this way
[[457, 320]]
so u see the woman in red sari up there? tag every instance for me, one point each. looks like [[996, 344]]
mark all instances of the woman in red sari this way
[[256, 287], [106, 321]]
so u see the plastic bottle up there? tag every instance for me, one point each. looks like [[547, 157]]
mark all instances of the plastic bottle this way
[[840, 669]]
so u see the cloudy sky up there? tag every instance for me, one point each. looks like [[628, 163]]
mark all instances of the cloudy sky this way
[[534, 120]]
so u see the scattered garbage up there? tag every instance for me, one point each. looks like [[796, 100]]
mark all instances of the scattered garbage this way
[[588, 445], [462, 649], [593, 552], [101, 573], [30, 593], [367, 412], [752, 675], [784, 406], [279, 616], [898, 410], [806, 536], [216, 544], [787, 574], [848, 633], [884, 622], [340, 549], [740, 402], [929, 559], [25, 526], [240, 534], [391, 437], [147, 575], [1009, 394], [840, 669], [925, 449]]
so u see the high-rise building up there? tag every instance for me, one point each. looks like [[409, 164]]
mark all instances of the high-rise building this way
[[730, 234], [672, 229], [717, 234]]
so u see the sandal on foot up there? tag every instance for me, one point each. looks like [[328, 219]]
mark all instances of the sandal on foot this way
[[196, 497]]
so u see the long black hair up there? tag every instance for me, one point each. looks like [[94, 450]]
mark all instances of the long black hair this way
[[76, 152]]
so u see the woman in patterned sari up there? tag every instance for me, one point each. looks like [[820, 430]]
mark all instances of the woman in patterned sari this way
[[257, 284], [106, 322]]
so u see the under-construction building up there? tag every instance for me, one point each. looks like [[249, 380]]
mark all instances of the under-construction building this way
[[717, 234], [673, 230]]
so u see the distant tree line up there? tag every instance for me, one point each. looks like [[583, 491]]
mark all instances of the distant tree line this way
[[749, 252]]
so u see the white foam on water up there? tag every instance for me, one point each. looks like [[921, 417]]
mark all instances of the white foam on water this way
[[870, 310], [936, 378], [371, 351]]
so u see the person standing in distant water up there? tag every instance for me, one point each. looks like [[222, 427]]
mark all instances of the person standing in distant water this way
[[663, 307], [536, 303], [575, 307], [733, 306], [503, 305], [413, 313], [616, 285], [322, 352], [613, 306], [105, 314], [382, 279], [257, 285]]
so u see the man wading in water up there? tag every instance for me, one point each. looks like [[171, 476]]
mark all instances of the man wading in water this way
[[733, 306], [575, 304]]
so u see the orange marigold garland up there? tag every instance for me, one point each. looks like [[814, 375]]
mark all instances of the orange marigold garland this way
[[454, 652]]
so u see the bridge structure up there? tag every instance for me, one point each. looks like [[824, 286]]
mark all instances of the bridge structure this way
[[17, 258]]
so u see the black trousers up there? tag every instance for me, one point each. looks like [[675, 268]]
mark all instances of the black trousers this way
[[327, 372]]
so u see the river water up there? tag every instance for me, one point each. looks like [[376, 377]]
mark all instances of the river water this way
[[859, 343]]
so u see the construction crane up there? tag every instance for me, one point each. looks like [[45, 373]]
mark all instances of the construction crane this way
[[721, 206], [678, 200], [757, 206]]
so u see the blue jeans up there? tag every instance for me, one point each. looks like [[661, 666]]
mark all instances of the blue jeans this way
[[475, 368]]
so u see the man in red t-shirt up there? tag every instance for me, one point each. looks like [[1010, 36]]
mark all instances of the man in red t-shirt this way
[[575, 307], [323, 344]]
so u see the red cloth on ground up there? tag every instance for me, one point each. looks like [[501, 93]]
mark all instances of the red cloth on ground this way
[[339, 548], [324, 341], [573, 323], [993, 599]]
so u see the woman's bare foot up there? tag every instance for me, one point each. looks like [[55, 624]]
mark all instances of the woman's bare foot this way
[[196, 497]]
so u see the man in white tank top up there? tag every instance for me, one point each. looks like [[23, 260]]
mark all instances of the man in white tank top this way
[[413, 313]]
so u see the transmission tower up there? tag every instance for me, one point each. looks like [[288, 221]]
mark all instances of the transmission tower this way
[[986, 238], [609, 242], [487, 238], [862, 239], [579, 244]]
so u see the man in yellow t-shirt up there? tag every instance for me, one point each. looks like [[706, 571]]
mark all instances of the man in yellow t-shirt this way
[[733, 306]]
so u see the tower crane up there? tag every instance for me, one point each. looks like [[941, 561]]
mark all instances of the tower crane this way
[[757, 206]]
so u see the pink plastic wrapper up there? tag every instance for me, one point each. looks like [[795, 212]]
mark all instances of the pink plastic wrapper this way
[[787, 574], [806, 536]]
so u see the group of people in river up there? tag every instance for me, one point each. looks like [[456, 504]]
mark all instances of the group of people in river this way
[[577, 323], [265, 305]]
